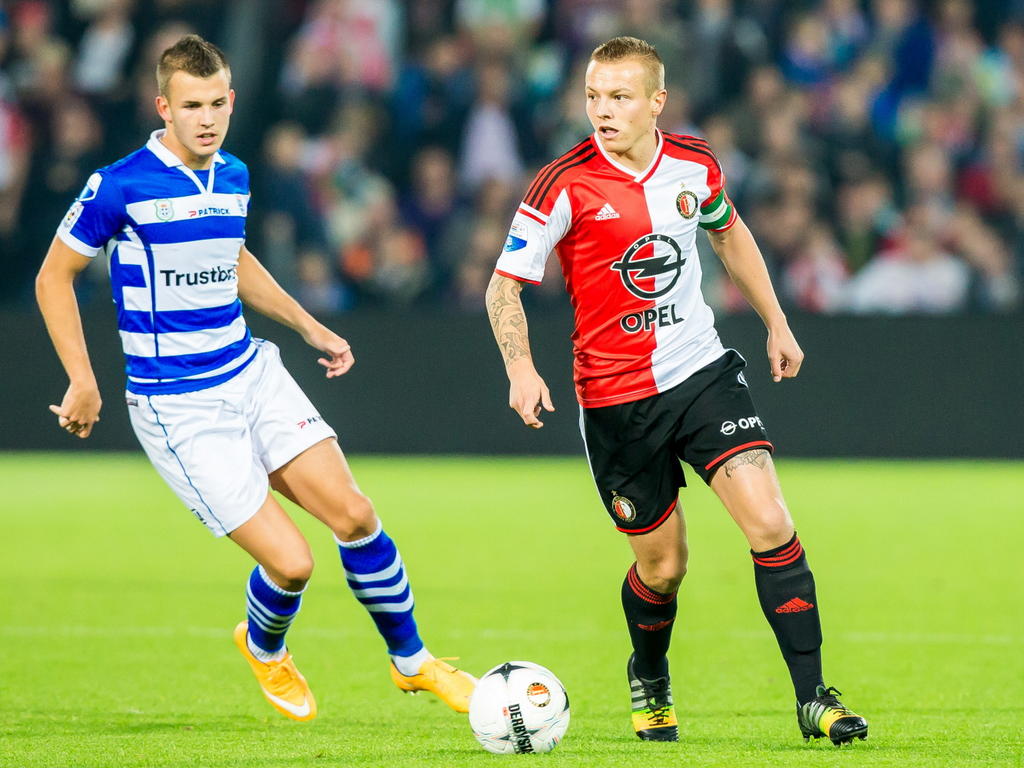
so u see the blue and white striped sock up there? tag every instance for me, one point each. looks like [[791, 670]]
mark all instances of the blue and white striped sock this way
[[377, 577], [270, 610]]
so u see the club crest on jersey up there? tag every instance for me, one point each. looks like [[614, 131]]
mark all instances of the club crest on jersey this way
[[623, 508], [687, 204], [664, 257], [164, 209]]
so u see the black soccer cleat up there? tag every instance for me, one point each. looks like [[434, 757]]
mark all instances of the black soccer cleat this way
[[654, 715], [824, 716]]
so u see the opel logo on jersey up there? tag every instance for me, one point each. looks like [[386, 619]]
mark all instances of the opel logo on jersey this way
[[687, 204], [750, 422], [664, 257], [660, 317]]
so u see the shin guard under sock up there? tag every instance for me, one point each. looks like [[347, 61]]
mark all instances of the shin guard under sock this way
[[649, 616], [785, 588]]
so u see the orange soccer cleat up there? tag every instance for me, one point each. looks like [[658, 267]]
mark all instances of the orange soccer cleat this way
[[451, 685], [282, 684]]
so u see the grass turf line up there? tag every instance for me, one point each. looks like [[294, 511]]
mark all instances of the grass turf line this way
[[115, 648]]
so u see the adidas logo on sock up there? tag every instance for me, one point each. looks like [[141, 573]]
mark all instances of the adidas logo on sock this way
[[607, 212], [656, 626], [796, 605]]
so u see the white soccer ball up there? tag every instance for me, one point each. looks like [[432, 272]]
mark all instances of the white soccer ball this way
[[519, 707]]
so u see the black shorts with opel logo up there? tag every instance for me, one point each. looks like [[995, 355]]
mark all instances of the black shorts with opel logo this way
[[635, 448]]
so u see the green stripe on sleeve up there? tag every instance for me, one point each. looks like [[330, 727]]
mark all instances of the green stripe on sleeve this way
[[707, 222], [711, 203]]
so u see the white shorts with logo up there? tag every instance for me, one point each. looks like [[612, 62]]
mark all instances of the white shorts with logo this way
[[216, 447]]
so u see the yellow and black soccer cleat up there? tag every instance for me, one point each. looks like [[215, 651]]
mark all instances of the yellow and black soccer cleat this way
[[451, 685], [824, 716], [281, 683], [654, 714]]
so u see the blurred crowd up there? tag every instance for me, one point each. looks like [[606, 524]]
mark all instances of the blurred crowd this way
[[875, 148]]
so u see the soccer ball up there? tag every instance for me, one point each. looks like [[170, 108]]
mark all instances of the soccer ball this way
[[519, 707]]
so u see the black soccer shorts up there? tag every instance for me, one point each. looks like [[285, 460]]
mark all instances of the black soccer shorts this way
[[635, 448]]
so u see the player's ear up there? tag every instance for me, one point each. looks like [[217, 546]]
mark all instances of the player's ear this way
[[163, 108], [231, 100], [658, 102]]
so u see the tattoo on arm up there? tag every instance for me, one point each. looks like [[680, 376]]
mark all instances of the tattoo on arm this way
[[508, 320], [758, 458]]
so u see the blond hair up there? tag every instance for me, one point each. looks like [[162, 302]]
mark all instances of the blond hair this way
[[622, 48], [192, 55]]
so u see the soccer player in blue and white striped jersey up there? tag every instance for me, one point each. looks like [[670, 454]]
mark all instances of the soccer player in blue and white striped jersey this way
[[215, 410]]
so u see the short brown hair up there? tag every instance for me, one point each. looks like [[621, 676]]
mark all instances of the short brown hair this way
[[620, 48], [191, 55]]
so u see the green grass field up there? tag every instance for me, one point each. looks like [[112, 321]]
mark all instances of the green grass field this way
[[115, 643]]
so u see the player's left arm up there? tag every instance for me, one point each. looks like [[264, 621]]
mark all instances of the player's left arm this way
[[259, 290], [742, 258]]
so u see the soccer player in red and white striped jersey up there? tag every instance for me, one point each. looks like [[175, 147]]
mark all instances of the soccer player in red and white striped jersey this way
[[655, 384]]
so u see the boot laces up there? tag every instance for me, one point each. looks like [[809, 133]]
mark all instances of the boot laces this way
[[282, 676], [658, 703], [828, 698]]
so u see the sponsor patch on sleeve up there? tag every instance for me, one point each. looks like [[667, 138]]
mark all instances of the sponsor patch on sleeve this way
[[91, 189], [72, 215], [517, 236], [514, 243]]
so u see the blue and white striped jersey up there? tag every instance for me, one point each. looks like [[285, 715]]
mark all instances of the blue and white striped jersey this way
[[172, 235]]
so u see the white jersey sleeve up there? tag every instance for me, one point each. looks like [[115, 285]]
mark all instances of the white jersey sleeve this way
[[531, 239]]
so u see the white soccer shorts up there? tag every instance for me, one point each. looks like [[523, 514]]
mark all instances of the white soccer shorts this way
[[216, 447]]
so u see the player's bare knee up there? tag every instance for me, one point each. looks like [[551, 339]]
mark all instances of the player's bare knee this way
[[769, 533], [293, 573], [358, 520], [665, 575], [666, 583]]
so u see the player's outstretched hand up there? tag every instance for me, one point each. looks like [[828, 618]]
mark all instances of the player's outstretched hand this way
[[527, 393], [784, 354], [338, 354], [79, 410]]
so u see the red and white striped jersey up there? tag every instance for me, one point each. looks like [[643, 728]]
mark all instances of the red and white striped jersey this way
[[627, 245]]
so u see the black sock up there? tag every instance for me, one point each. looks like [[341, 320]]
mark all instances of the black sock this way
[[785, 587], [649, 616]]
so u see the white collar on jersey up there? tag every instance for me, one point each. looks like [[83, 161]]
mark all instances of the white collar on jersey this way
[[168, 158], [171, 160], [630, 171]]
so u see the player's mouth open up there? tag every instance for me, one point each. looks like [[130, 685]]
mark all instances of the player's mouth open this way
[[607, 132], [206, 139]]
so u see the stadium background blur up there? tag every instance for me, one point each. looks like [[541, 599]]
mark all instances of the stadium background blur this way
[[875, 148]]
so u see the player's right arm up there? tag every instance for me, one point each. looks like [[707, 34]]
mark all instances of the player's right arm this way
[[55, 294], [540, 222], [527, 391]]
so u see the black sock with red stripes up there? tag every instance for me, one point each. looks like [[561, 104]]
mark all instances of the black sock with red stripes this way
[[649, 616], [785, 587]]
